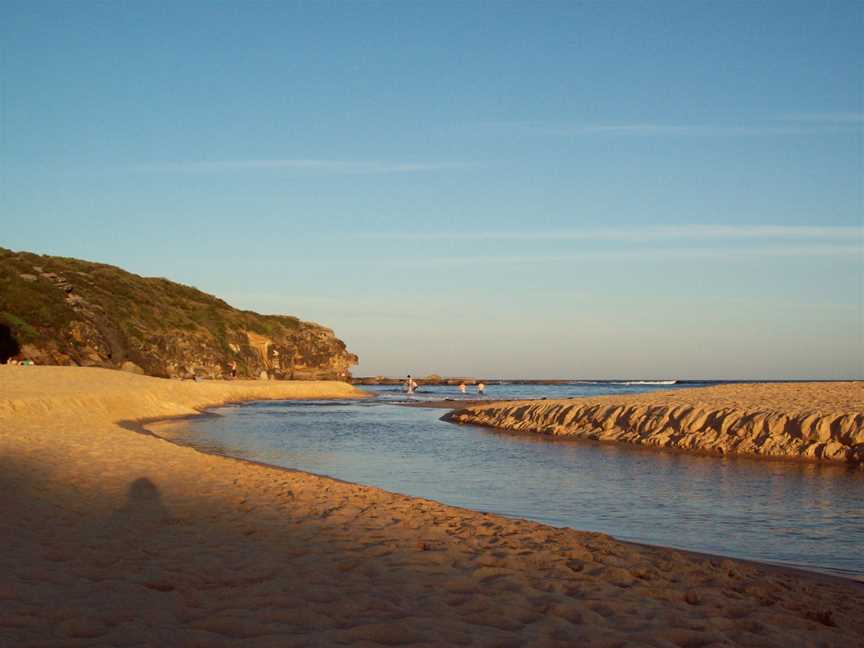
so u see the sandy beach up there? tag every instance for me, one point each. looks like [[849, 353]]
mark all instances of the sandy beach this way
[[113, 537], [814, 421]]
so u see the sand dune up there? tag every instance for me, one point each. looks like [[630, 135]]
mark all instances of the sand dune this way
[[822, 421], [111, 537]]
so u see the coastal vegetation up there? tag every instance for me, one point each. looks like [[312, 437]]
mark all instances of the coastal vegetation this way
[[58, 310]]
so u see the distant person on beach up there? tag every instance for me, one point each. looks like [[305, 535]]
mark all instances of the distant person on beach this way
[[410, 385], [481, 389], [233, 370], [462, 387]]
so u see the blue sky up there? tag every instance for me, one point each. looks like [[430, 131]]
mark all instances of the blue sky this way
[[621, 189]]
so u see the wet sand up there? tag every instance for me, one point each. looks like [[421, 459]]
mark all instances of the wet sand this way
[[116, 538]]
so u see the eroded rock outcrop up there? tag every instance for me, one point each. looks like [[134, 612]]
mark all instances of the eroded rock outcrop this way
[[62, 311], [822, 421]]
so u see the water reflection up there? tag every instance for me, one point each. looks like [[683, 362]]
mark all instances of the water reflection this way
[[806, 514]]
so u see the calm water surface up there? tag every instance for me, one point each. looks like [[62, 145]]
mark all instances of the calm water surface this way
[[802, 514]]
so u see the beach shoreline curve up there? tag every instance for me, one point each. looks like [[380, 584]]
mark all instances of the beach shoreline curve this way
[[141, 538]]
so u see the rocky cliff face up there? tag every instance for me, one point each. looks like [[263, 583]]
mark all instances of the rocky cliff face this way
[[62, 311]]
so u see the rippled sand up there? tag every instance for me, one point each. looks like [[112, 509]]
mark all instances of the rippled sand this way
[[819, 421], [111, 537]]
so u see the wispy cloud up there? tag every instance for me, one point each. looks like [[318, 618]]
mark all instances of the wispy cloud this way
[[650, 129], [825, 118], [673, 253], [650, 233], [787, 124], [310, 165]]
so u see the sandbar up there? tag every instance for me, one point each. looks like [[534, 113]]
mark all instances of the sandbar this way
[[820, 421]]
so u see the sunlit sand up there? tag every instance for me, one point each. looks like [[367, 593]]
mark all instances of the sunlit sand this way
[[114, 537], [819, 421]]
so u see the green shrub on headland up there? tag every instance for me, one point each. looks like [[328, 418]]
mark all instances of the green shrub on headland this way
[[67, 311]]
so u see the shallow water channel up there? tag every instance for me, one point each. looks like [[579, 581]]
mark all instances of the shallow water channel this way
[[802, 514]]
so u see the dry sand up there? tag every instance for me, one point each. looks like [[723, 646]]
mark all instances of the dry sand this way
[[820, 421], [110, 537]]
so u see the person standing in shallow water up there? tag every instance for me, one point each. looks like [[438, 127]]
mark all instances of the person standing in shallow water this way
[[481, 389], [410, 385], [462, 387]]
